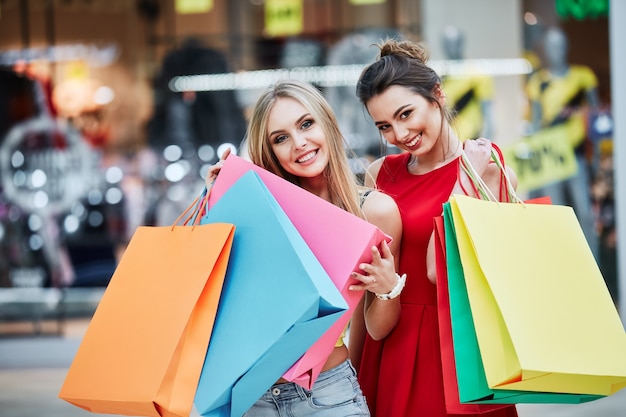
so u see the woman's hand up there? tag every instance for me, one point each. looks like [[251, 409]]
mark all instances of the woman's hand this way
[[379, 276], [478, 151], [214, 169]]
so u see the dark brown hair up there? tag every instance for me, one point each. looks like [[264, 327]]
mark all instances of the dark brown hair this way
[[401, 63]]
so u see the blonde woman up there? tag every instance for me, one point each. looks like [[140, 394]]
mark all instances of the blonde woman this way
[[293, 133]]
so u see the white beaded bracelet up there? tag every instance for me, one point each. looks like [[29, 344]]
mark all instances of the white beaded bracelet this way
[[395, 291]]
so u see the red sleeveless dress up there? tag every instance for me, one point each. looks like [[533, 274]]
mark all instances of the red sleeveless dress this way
[[401, 375]]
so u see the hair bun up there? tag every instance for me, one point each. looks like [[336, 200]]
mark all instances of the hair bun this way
[[403, 48]]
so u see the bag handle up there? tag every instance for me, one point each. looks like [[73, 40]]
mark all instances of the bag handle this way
[[198, 207], [480, 188], [505, 184]]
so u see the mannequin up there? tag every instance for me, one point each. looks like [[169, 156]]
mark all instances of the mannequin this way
[[561, 95], [532, 44], [470, 95]]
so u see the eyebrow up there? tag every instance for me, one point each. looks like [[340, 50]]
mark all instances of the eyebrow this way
[[395, 114], [300, 119]]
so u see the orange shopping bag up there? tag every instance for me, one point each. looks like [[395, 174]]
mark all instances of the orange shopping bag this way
[[143, 351]]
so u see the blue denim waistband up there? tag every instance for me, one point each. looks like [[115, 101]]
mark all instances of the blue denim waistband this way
[[290, 390]]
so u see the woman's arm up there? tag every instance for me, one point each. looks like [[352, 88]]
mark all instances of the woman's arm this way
[[478, 153], [381, 316], [356, 335], [380, 276]]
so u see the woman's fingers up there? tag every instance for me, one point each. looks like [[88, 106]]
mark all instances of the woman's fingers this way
[[385, 251], [367, 281], [478, 152], [225, 154], [379, 275], [376, 258], [214, 170], [213, 173]]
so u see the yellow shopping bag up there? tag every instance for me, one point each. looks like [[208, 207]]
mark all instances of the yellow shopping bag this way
[[543, 315]]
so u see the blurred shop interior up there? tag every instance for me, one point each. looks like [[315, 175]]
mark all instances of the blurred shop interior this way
[[97, 138]]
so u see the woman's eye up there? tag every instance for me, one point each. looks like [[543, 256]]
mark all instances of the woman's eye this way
[[306, 124], [383, 128], [405, 114], [280, 139]]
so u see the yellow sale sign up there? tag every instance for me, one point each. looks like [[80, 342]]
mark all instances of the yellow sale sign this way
[[542, 158], [283, 17], [193, 6], [361, 2]]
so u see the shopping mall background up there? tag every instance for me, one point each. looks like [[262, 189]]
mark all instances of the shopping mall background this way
[[126, 151]]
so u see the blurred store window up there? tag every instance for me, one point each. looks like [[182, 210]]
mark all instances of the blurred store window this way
[[356, 125], [188, 130], [47, 167], [469, 95]]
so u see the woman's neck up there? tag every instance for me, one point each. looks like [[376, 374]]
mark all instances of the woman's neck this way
[[447, 148], [316, 185]]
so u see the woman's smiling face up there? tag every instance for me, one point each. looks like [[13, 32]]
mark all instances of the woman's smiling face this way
[[406, 119], [296, 138]]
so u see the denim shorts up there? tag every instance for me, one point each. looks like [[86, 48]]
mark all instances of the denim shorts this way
[[336, 393]]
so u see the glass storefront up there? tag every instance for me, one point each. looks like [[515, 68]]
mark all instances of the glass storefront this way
[[98, 137]]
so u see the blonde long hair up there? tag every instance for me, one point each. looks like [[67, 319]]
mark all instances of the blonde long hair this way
[[342, 183]]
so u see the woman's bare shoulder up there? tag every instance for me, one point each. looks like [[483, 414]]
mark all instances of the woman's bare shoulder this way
[[372, 172], [381, 210], [377, 202]]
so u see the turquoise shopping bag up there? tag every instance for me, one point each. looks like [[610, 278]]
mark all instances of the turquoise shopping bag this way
[[277, 300]]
